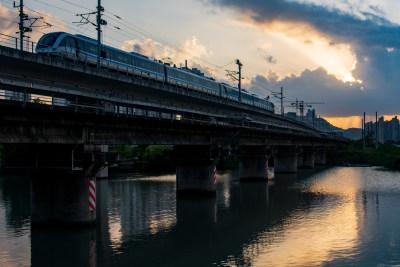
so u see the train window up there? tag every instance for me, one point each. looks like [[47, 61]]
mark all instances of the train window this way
[[67, 42], [113, 55], [82, 45], [121, 57], [91, 48], [62, 43], [47, 40]]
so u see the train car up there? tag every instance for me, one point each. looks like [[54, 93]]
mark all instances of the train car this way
[[82, 48], [192, 81]]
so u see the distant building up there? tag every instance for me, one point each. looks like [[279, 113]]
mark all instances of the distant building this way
[[394, 126], [310, 115], [387, 130], [381, 130]]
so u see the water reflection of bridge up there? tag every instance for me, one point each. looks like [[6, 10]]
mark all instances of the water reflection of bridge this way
[[215, 232]]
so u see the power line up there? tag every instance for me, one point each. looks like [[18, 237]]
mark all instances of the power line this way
[[59, 8], [146, 33], [131, 28], [88, 9]]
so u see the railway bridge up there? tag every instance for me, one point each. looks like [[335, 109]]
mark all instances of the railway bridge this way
[[58, 118]]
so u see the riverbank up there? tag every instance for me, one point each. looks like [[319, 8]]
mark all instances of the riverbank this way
[[386, 155]]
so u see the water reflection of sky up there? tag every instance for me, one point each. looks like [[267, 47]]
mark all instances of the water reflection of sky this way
[[14, 222], [332, 229], [341, 216], [139, 206]]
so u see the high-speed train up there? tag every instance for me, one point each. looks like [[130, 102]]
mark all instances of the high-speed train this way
[[79, 47]]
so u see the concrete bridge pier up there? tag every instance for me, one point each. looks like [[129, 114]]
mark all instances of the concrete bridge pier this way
[[285, 159], [308, 157], [300, 159], [253, 163], [66, 195], [60, 198], [320, 156], [196, 169]]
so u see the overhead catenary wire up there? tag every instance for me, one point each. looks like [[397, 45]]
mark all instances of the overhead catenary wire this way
[[128, 34], [123, 29], [152, 36]]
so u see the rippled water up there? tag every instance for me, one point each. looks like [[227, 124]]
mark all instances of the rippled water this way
[[337, 216]]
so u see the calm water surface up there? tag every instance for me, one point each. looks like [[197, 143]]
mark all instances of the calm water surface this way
[[337, 216]]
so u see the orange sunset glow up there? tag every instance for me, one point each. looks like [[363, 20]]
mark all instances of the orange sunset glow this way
[[355, 121]]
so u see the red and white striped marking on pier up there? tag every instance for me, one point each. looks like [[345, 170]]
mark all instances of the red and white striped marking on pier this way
[[92, 195], [215, 174]]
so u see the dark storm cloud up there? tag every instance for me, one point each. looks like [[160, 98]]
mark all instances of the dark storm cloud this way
[[341, 99], [369, 35], [373, 30]]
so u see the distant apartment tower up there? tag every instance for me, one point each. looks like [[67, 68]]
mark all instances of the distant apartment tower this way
[[388, 130], [310, 115], [394, 128], [381, 130]]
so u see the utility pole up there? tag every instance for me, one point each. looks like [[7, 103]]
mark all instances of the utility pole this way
[[363, 122], [99, 21], [21, 25], [99, 10], [22, 29], [282, 111], [240, 79], [376, 129], [281, 97], [233, 74]]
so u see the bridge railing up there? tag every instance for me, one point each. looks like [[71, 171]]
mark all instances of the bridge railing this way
[[149, 103], [122, 105], [14, 42]]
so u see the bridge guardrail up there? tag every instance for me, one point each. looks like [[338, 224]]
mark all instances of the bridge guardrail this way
[[121, 98], [129, 109], [13, 42]]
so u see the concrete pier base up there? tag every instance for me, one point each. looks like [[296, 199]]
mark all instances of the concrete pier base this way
[[253, 163], [252, 168], [320, 157], [196, 169], [63, 185], [300, 160], [285, 159], [195, 176], [103, 173], [308, 153], [59, 199]]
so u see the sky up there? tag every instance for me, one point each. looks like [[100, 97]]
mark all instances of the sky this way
[[342, 53]]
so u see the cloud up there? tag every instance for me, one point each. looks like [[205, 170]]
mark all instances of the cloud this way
[[148, 47], [9, 25], [8, 20], [187, 50], [341, 99], [360, 28], [191, 50], [336, 24]]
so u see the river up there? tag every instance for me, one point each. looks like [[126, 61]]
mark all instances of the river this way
[[336, 216]]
